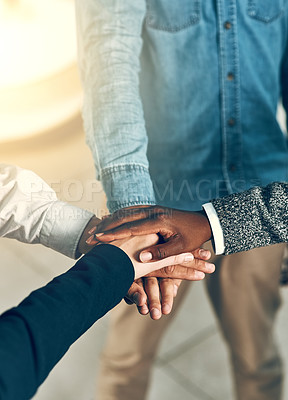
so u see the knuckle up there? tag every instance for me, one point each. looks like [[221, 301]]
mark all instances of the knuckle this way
[[180, 241], [170, 269], [176, 260], [161, 252], [130, 293], [151, 281], [163, 272], [116, 217], [190, 272], [120, 217], [197, 262], [166, 282]]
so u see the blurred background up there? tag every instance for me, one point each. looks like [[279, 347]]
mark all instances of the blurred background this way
[[41, 129]]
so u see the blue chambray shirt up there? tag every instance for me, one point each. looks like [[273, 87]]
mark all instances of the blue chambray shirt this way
[[181, 97]]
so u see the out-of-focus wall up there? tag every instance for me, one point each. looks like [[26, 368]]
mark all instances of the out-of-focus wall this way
[[41, 96]]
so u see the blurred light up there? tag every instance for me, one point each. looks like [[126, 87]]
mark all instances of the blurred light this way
[[39, 85]]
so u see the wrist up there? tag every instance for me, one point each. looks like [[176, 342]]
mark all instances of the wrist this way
[[206, 231]]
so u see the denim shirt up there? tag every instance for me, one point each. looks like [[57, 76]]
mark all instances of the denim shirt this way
[[180, 97]]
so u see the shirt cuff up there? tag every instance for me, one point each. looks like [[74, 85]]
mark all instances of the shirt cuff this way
[[127, 186], [63, 227], [216, 228]]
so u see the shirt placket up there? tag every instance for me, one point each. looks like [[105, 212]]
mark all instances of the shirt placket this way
[[230, 95]]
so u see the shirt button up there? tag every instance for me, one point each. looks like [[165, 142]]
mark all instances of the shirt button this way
[[231, 122], [232, 168], [227, 25], [230, 76]]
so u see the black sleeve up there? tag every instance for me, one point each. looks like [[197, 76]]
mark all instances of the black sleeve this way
[[35, 335]]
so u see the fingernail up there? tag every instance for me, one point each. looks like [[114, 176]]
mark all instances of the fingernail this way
[[92, 230], [146, 256], [204, 253], [199, 275], [155, 313], [188, 258], [166, 309], [89, 240], [210, 266], [144, 309], [99, 234], [136, 298]]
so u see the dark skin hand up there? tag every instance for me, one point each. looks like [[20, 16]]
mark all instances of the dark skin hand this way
[[83, 247], [155, 296], [180, 231]]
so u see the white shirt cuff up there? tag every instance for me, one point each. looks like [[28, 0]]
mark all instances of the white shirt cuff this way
[[63, 227], [215, 227]]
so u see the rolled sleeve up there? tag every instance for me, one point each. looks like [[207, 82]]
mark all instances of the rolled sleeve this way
[[63, 226], [126, 186]]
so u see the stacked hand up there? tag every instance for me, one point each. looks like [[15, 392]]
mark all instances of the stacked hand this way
[[129, 228], [180, 231]]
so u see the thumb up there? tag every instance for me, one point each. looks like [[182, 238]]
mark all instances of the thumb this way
[[172, 247], [136, 294]]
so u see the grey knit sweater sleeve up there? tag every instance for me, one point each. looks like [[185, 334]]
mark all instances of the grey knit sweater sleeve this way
[[255, 218]]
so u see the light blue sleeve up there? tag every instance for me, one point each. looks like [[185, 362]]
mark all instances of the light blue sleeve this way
[[109, 46]]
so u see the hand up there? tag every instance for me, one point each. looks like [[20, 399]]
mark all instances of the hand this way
[[156, 295], [180, 266], [181, 231], [83, 247]]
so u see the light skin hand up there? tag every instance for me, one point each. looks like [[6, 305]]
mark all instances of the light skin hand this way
[[181, 231], [158, 295], [185, 262]]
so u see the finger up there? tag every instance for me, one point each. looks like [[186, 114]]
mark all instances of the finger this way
[[167, 295], [91, 241], [202, 254], [153, 294], [174, 245], [136, 228], [178, 272], [172, 260], [93, 230], [204, 266], [124, 216], [192, 271], [143, 307], [136, 294], [146, 268], [177, 283]]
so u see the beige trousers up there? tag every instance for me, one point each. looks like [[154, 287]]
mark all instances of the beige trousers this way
[[244, 292]]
